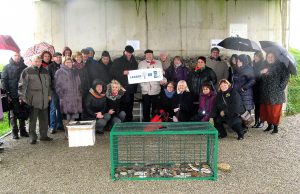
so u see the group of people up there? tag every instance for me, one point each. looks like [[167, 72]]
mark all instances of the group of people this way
[[63, 87]]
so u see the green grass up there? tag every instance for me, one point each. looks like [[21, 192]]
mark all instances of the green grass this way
[[4, 128], [293, 105]]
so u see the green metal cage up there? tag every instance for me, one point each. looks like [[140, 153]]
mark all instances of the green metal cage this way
[[164, 151]]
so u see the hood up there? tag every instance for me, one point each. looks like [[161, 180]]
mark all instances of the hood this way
[[98, 82]]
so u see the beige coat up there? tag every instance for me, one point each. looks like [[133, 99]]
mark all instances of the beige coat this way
[[219, 67], [150, 88]]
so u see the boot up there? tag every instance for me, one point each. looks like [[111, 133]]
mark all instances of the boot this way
[[269, 128], [15, 133], [24, 133], [275, 130]]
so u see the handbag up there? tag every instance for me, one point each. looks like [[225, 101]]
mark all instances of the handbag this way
[[247, 118]]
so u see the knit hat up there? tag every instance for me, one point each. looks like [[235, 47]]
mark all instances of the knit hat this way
[[129, 49], [90, 49]]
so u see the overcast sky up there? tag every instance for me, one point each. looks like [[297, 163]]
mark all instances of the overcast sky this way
[[16, 20]]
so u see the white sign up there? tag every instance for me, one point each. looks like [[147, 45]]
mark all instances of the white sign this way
[[215, 42], [134, 43], [145, 75], [240, 30]]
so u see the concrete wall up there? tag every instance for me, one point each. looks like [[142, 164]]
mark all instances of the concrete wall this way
[[183, 27]]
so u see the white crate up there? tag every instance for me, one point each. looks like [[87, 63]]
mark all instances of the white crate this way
[[81, 133]]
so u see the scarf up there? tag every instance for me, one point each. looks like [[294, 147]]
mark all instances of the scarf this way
[[96, 94], [176, 66], [199, 69], [169, 94], [151, 62]]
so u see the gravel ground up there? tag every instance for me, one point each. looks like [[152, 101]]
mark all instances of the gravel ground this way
[[261, 163]]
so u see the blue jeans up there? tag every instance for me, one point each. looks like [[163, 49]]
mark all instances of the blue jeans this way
[[55, 114]]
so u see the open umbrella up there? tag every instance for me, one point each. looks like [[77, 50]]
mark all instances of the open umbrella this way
[[239, 44], [281, 53], [37, 49], [8, 43]]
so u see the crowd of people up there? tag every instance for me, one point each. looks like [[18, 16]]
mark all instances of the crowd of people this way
[[64, 87]]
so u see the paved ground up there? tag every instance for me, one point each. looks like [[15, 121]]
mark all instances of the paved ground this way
[[262, 163]]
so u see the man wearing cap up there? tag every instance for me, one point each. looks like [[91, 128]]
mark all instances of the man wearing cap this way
[[217, 64], [10, 78], [55, 114], [119, 71], [150, 90]]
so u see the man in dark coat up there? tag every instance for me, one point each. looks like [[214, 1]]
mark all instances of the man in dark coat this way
[[10, 77], [55, 114], [119, 71], [100, 70]]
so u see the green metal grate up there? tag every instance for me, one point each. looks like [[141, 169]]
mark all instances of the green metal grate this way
[[162, 151]]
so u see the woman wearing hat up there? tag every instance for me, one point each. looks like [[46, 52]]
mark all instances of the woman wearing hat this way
[[96, 107], [243, 81]]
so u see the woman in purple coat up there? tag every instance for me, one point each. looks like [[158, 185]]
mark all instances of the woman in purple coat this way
[[68, 88], [206, 102], [177, 71]]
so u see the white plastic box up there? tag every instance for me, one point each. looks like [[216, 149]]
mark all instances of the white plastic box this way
[[81, 133]]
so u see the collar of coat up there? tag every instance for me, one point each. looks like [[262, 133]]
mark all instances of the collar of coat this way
[[109, 94], [96, 94]]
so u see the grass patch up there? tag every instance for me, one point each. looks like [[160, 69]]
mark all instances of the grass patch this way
[[293, 106], [4, 127]]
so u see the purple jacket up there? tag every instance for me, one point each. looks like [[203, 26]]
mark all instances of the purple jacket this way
[[177, 74], [67, 86], [206, 102]]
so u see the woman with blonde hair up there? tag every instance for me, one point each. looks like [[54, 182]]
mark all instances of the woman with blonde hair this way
[[183, 103], [227, 109], [114, 94]]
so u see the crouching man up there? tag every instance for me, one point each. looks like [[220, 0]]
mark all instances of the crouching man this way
[[34, 89]]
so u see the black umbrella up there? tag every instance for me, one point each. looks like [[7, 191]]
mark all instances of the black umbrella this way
[[281, 53], [239, 44]]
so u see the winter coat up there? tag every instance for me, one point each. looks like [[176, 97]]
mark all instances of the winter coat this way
[[198, 78], [231, 103], [52, 68], [177, 74], [273, 84], [68, 89], [94, 104], [152, 87], [243, 81], [34, 87], [219, 67], [117, 69], [84, 77], [10, 77], [113, 102], [257, 67], [1, 109], [166, 103], [206, 103], [97, 70], [184, 102]]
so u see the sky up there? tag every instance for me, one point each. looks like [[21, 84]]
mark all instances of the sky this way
[[16, 20]]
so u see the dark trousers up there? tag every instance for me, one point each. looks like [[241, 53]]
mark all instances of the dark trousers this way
[[257, 112], [148, 101], [14, 120], [126, 104], [237, 127], [42, 115]]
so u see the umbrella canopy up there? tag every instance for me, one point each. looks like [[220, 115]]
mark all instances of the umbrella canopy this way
[[281, 53], [8, 43], [37, 49], [239, 44]]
